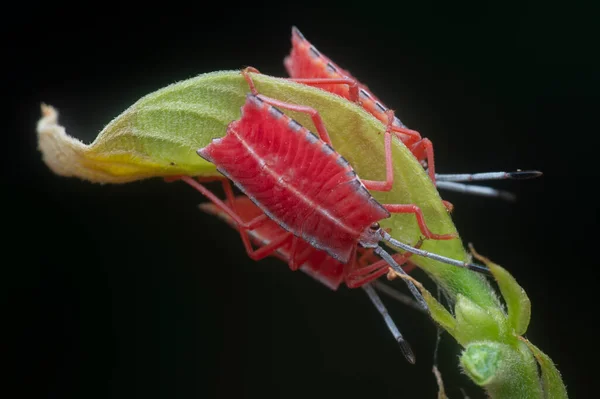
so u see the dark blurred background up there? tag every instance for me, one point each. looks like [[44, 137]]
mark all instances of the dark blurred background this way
[[128, 291]]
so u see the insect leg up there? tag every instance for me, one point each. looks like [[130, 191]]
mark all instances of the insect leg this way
[[424, 148], [352, 84], [448, 205], [413, 289], [397, 295], [389, 167], [297, 257], [361, 275], [365, 275], [412, 134], [404, 346], [313, 113], [410, 208], [243, 226], [266, 250]]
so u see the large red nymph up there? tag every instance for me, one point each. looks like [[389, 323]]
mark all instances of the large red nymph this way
[[295, 178]]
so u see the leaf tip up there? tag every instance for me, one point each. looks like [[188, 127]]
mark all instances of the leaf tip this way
[[61, 152]]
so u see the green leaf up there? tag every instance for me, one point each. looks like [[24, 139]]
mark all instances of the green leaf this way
[[158, 136], [553, 385], [436, 310], [517, 302]]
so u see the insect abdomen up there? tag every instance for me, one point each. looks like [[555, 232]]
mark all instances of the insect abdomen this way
[[295, 178], [305, 61]]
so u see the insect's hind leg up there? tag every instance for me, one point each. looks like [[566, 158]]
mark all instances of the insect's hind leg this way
[[243, 226]]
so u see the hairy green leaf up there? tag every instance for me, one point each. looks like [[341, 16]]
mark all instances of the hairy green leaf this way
[[552, 383], [159, 135]]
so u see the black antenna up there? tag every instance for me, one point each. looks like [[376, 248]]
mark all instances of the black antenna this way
[[397, 295], [413, 289], [518, 175], [483, 191], [404, 346], [471, 266]]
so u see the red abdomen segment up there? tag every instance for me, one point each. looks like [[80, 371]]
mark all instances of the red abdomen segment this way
[[295, 178], [305, 62], [318, 264]]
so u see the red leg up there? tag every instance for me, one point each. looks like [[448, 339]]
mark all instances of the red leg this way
[[387, 185], [293, 261], [302, 257], [266, 250], [397, 208], [364, 275], [352, 84], [202, 179], [243, 226], [389, 165], [413, 135], [424, 149], [408, 267], [366, 257], [448, 205], [228, 193]]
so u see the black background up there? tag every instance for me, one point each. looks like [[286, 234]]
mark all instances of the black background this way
[[129, 291]]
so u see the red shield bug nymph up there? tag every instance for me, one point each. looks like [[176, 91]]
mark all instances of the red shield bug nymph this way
[[305, 64], [308, 188]]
